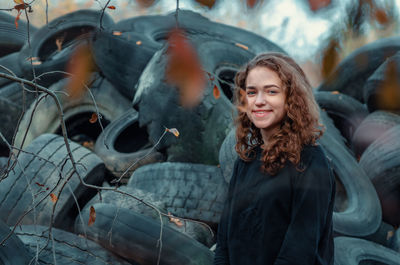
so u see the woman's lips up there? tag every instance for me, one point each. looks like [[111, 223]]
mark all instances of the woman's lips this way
[[261, 113]]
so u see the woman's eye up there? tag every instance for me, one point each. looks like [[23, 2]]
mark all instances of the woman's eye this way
[[251, 93], [272, 92]]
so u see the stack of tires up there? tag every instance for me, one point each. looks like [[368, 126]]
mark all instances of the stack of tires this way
[[118, 189], [137, 194], [362, 98]]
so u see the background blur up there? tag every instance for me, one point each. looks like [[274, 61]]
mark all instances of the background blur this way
[[304, 28]]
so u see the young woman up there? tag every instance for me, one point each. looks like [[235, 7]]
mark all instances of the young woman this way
[[281, 194]]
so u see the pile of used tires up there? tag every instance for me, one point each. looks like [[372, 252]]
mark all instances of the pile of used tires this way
[[63, 219]]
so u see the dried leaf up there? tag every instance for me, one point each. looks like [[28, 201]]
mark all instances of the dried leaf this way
[[174, 131], [111, 7], [242, 46], [145, 3], [207, 3], [139, 42], [184, 70], [21, 6], [16, 19], [53, 197], [80, 66], [211, 77], [381, 16], [251, 3], [92, 216], [59, 42], [19, 2], [88, 144], [390, 234], [216, 92], [330, 58], [117, 33], [335, 92], [389, 90], [40, 185], [175, 220], [93, 119], [315, 5]]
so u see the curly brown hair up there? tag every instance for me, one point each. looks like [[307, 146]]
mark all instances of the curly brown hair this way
[[298, 128]]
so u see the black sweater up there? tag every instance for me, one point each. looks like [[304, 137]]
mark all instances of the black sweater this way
[[281, 219]]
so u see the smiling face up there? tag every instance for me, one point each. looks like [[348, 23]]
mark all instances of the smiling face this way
[[265, 97]]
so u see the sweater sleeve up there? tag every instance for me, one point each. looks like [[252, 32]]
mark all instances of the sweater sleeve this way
[[221, 256], [311, 201]]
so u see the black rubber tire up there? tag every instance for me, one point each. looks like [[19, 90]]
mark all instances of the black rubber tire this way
[[134, 237], [382, 236], [357, 211], [371, 128], [189, 190], [346, 112], [76, 28], [11, 62], [192, 229], [352, 73], [12, 104], [373, 93], [157, 28], [13, 251], [69, 249], [381, 163], [228, 155], [122, 59], [203, 127], [124, 143], [77, 112], [33, 175], [9, 115], [355, 251], [12, 38]]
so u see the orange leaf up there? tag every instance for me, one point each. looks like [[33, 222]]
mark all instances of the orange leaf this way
[[216, 92], [92, 216], [117, 33], [335, 92], [93, 119], [174, 131], [207, 3], [330, 58], [139, 42], [17, 18], [80, 66], [242, 46], [111, 7], [184, 70], [88, 144], [251, 3], [315, 5], [21, 6], [19, 2], [389, 90], [175, 220], [145, 3], [381, 16], [53, 197]]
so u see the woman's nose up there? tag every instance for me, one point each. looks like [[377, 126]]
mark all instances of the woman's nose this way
[[260, 100]]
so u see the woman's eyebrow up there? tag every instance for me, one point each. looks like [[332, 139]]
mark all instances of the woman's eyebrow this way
[[266, 86]]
